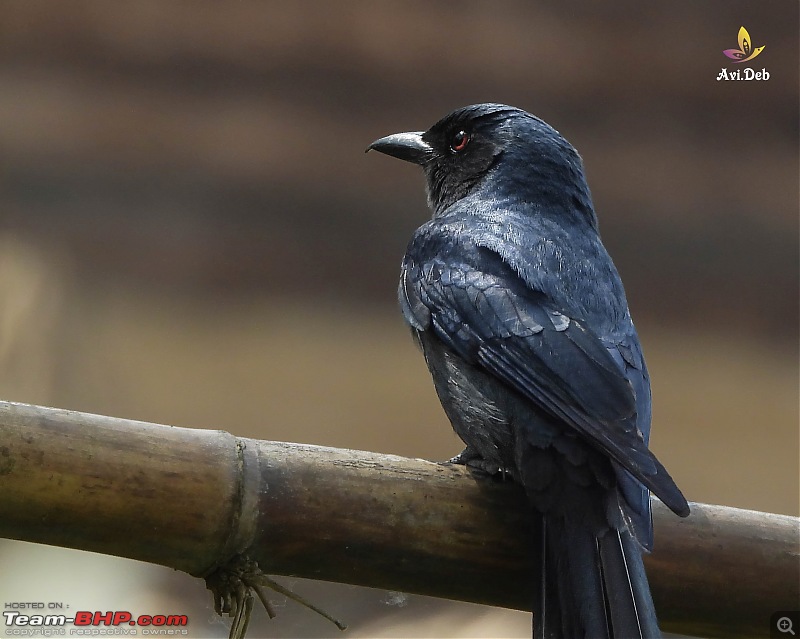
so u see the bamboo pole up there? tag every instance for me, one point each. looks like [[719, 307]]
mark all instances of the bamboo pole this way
[[191, 499]]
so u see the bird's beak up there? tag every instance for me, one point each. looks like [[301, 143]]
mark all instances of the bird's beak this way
[[404, 146]]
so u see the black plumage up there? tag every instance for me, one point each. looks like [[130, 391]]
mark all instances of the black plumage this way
[[525, 327]]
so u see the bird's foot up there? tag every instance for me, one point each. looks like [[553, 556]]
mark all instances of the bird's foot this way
[[473, 460], [465, 457]]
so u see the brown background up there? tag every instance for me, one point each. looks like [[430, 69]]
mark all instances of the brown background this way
[[191, 234]]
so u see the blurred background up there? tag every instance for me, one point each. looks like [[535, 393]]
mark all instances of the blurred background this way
[[191, 234]]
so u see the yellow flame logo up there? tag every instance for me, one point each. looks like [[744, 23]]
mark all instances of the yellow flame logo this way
[[745, 51]]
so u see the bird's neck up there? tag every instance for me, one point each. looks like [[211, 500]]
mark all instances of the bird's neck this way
[[566, 204]]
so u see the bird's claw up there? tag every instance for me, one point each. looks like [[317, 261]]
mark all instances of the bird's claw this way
[[465, 457], [472, 460]]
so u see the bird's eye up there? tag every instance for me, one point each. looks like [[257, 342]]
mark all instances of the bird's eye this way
[[459, 141]]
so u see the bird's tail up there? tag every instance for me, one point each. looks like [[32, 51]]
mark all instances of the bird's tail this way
[[591, 586]]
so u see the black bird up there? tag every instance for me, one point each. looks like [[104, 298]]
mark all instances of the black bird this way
[[524, 324]]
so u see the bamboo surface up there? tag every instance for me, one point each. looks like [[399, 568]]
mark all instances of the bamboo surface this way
[[190, 499]]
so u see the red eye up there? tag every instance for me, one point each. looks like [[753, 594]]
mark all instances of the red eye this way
[[460, 141]]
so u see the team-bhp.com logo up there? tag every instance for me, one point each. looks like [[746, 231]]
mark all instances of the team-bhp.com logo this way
[[744, 53], [112, 622]]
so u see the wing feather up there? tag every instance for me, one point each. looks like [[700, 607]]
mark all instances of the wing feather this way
[[516, 334]]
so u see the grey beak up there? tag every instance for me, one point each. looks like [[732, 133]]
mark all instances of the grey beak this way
[[404, 146]]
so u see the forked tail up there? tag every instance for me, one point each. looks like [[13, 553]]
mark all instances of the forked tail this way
[[591, 587]]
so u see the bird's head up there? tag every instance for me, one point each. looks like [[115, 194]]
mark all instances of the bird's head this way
[[507, 151]]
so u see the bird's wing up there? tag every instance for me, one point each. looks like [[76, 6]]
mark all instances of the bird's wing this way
[[491, 319]]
